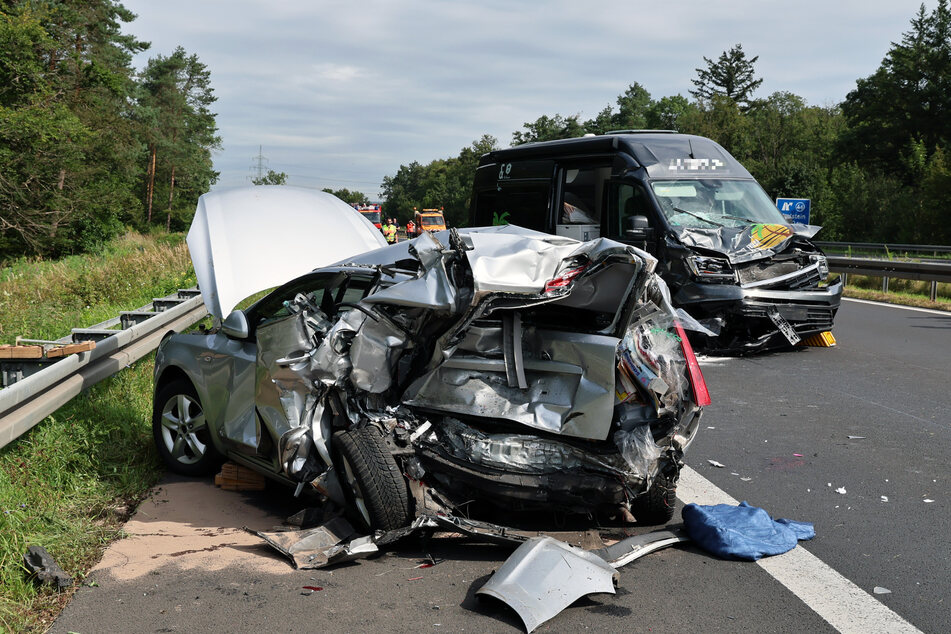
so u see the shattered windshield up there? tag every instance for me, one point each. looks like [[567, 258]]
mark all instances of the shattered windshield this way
[[707, 203]]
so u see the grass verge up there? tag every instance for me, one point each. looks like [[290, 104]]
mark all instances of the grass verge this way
[[904, 292], [71, 482]]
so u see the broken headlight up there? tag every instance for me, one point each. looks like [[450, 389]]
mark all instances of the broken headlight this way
[[710, 269], [823, 265]]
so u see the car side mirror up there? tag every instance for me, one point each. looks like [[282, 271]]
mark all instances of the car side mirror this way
[[235, 325], [638, 227]]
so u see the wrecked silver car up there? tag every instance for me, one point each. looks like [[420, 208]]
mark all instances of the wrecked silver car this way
[[496, 364]]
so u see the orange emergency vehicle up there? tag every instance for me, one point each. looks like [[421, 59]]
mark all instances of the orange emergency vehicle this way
[[429, 220]]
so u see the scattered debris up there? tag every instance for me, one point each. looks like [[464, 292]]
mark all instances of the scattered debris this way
[[544, 576], [716, 464], [41, 566], [414, 578], [312, 588], [927, 501], [840, 490], [884, 498], [798, 455], [881, 590], [856, 437]]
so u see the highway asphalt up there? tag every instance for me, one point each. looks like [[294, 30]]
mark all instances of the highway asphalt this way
[[869, 417]]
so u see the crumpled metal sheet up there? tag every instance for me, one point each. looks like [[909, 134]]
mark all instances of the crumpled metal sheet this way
[[570, 388], [544, 576], [331, 543], [738, 244]]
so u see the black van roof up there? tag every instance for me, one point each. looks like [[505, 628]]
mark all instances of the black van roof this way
[[665, 154]]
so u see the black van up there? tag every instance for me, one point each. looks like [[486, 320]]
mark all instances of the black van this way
[[729, 256]]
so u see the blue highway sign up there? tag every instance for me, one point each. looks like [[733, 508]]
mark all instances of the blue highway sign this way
[[796, 210]]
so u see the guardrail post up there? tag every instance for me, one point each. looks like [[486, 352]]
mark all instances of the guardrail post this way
[[934, 291], [845, 279], [884, 284]]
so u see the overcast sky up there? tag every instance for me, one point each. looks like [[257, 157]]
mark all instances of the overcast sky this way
[[340, 94]]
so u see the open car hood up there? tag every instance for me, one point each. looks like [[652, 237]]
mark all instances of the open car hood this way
[[248, 239]]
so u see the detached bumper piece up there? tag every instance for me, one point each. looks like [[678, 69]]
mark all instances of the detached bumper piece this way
[[544, 576]]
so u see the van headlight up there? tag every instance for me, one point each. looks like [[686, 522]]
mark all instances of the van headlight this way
[[710, 269], [823, 265]]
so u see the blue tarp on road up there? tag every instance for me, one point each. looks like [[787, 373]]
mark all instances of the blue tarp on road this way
[[742, 532]]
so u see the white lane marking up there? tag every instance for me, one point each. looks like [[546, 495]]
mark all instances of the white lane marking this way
[[844, 605], [930, 311]]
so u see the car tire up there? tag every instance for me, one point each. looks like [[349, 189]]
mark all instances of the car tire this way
[[371, 480], [658, 504], [181, 432]]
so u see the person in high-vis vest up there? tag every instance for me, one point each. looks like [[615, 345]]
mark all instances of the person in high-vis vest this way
[[389, 231]]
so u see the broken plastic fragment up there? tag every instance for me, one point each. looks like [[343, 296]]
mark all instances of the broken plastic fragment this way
[[881, 590], [884, 498], [856, 437], [927, 501], [840, 490], [716, 464], [40, 564]]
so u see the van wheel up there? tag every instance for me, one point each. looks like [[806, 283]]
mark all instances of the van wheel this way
[[371, 480], [180, 431], [658, 504]]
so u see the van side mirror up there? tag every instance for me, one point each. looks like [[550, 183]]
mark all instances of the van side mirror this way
[[638, 227], [235, 325]]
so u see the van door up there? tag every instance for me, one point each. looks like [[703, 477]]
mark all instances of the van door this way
[[581, 199], [630, 216]]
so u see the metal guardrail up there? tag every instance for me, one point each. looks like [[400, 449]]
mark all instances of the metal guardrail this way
[[35, 389], [934, 249], [933, 272]]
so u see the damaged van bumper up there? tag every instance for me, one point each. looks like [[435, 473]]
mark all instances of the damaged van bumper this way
[[743, 319]]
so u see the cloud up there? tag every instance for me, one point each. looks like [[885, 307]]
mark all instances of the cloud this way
[[352, 90]]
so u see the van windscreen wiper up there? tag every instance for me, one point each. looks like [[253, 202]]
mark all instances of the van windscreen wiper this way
[[697, 216], [749, 220]]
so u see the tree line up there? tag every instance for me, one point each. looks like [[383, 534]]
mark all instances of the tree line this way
[[88, 145], [875, 166]]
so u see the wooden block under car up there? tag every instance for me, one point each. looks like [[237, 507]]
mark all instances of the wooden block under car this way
[[234, 477]]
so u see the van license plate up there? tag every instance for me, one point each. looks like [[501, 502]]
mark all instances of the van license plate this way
[[784, 326]]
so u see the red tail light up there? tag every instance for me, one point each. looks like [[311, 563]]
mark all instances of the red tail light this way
[[565, 278], [701, 395]]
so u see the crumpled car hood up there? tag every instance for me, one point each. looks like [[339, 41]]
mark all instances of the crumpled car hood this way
[[242, 241], [745, 244]]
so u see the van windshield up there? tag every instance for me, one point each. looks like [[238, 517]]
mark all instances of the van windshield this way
[[699, 203]]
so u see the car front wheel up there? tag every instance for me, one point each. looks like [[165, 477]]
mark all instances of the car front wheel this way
[[181, 432], [371, 480]]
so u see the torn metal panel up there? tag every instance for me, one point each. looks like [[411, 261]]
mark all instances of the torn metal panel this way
[[332, 543], [635, 547], [544, 576], [570, 385]]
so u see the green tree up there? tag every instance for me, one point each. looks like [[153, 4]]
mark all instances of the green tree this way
[[732, 75], [66, 138], [907, 100], [547, 128], [175, 108], [666, 113], [274, 178], [343, 194]]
